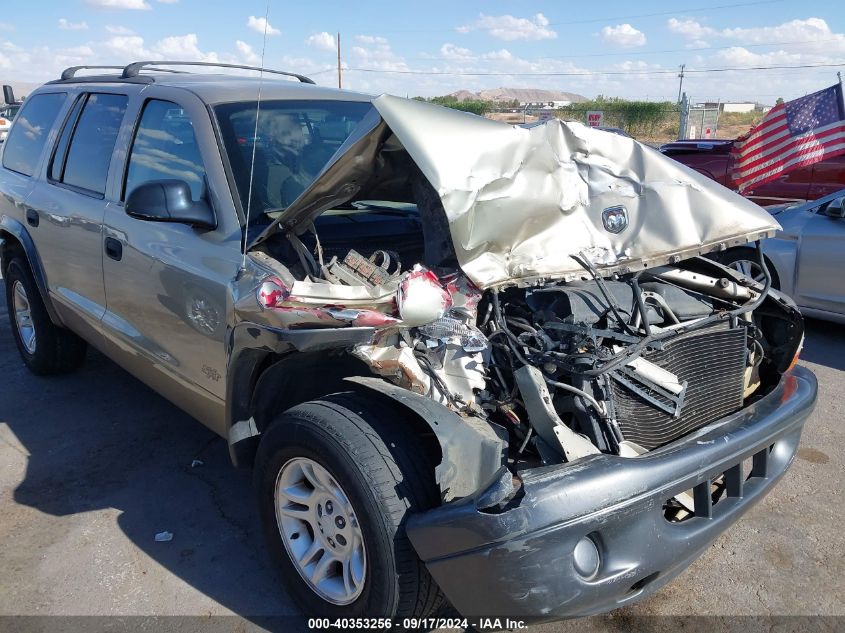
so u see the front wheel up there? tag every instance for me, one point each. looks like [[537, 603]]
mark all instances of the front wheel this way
[[746, 261], [336, 480]]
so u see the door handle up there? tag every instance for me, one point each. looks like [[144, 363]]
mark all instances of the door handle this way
[[114, 249], [32, 217]]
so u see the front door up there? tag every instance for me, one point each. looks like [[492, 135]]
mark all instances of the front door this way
[[820, 282], [167, 283]]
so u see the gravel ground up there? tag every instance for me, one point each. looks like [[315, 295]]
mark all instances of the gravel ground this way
[[94, 464]]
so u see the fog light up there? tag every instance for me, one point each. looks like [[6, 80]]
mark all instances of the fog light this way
[[586, 557]]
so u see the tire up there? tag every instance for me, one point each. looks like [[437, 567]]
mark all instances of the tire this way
[[44, 347], [368, 452], [746, 260]]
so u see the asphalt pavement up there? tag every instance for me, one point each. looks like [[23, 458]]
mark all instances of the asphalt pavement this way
[[94, 464]]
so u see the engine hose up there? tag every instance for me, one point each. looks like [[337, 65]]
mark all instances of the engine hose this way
[[634, 350], [638, 295], [586, 265], [578, 392]]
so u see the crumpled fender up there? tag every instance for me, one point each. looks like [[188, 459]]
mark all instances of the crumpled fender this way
[[472, 450]]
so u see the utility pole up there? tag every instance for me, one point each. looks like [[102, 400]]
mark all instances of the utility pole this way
[[681, 84], [339, 80]]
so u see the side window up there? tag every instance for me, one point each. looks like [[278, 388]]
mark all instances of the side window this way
[[165, 148], [29, 133], [90, 151]]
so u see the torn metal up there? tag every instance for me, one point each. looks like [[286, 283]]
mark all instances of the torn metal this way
[[519, 202]]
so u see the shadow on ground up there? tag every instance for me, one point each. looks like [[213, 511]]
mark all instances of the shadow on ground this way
[[824, 343], [99, 438]]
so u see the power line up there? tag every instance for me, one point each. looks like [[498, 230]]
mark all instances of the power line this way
[[587, 73]]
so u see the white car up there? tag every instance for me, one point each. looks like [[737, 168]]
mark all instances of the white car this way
[[7, 115]]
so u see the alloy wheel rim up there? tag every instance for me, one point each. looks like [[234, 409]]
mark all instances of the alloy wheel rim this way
[[23, 317], [749, 269], [320, 530]]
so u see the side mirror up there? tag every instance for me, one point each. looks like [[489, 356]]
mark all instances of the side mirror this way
[[169, 201], [835, 208]]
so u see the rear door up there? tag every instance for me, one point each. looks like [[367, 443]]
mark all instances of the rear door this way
[[23, 156], [67, 207], [167, 284]]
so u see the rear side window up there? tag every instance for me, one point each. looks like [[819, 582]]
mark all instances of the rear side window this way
[[90, 150], [29, 134]]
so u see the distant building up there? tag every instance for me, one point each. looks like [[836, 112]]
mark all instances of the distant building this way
[[732, 106], [543, 105], [739, 107]]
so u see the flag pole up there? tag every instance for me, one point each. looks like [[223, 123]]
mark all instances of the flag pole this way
[[841, 91]]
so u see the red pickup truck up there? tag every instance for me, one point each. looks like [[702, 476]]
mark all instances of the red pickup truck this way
[[712, 158]]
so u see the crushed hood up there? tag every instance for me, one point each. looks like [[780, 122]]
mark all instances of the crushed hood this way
[[520, 202]]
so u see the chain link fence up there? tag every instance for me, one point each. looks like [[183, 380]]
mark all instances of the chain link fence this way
[[647, 121]]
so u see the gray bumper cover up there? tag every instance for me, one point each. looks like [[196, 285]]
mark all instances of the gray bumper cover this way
[[519, 561]]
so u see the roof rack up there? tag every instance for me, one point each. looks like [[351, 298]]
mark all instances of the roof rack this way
[[133, 69], [132, 72], [70, 73]]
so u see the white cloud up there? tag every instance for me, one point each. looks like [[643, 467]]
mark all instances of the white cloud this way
[[5, 26], [118, 30], [623, 35], [322, 41], [167, 1], [508, 27], [810, 36], [246, 53], [689, 28], [123, 47], [377, 53], [450, 51], [258, 25], [502, 54], [65, 25], [370, 39], [183, 47], [121, 4]]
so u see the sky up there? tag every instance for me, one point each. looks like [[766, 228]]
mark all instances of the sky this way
[[614, 48]]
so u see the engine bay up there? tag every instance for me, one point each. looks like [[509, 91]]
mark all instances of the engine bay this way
[[622, 365]]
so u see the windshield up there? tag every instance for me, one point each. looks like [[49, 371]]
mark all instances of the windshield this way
[[295, 140]]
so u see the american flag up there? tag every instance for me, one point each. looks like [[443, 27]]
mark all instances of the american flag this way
[[791, 135]]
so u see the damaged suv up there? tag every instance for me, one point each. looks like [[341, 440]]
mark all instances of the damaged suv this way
[[465, 360]]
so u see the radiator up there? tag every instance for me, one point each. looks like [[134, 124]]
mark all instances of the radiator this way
[[712, 361]]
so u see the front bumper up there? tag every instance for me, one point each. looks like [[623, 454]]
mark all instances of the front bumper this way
[[518, 561]]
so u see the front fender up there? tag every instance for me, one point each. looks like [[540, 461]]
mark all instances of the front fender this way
[[473, 450]]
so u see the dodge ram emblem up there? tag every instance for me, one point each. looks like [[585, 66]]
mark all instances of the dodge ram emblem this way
[[615, 219]]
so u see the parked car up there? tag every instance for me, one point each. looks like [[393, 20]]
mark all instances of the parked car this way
[[466, 361], [712, 158], [8, 111], [806, 258], [7, 115]]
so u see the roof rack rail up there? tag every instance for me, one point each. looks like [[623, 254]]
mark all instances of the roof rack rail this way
[[133, 69], [70, 73]]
